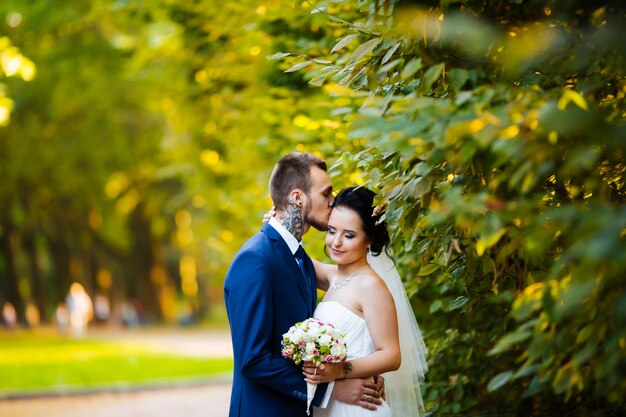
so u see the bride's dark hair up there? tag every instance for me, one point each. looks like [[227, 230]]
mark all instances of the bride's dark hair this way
[[361, 200]]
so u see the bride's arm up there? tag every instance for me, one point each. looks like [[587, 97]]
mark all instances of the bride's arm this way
[[379, 313], [323, 273]]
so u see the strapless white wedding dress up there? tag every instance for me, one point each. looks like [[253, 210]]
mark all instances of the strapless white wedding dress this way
[[359, 344]]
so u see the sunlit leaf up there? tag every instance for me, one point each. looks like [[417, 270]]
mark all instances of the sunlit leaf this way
[[427, 269], [298, 66], [342, 43], [572, 96], [411, 68], [279, 55], [365, 48]]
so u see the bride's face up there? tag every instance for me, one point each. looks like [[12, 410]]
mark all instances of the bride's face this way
[[346, 241]]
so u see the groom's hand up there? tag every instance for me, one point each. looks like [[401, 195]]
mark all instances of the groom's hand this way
[[380, 386], [356, 391]]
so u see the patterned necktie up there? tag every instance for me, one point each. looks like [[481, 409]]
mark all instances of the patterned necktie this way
[[300, 255]]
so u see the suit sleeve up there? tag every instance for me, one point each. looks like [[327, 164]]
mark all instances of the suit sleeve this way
[[249, 302]]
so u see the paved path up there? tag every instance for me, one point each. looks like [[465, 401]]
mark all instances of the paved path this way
[[203, 401], [210, 400]]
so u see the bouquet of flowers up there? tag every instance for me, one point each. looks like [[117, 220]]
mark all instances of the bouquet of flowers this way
[[312, 340]]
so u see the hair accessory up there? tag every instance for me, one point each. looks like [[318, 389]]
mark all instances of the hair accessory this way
[[378, 210]]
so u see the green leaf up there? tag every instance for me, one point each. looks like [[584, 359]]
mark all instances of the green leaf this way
[[499, 380], [385, 68], [435, 306], [487, 241], [411, 68], [459, 302], [390, 52], [318, 81], [525, 371], [278, 55], [463, 97], [298, 66], [432, 74], [458, 77], [508, 341], [427, 269], [422, 187], [365, 48], [442, 278], [344, 42]]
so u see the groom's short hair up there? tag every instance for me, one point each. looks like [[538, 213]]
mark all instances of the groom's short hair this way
[[290, 172]]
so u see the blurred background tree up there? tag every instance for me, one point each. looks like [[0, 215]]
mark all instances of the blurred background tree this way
[[12, 64], [136, 162]]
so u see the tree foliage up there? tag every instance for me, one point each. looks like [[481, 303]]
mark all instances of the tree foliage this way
[[137, 161], [12, 64], [494, 132]]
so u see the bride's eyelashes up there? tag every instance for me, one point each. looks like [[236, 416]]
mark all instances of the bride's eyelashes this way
[[332, 231]]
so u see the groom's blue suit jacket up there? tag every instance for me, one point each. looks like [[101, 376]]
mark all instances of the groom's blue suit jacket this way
[[265, 294]]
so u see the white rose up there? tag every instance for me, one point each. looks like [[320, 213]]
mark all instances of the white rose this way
[[314, 329], [297, 335], [324, 339], [310, 349], [337, 351]]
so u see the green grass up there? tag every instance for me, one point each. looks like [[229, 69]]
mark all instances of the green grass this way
[[36, 362]]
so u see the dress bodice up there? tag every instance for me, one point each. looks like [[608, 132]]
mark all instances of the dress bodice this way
[[359, 344], [358, 340]]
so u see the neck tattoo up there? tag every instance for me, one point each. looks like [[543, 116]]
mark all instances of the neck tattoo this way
[[292, 220], [336, 284]]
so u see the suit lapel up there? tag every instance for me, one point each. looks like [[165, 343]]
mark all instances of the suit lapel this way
[[290, 264]]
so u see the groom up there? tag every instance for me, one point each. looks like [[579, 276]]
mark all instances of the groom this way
[[269, 287]]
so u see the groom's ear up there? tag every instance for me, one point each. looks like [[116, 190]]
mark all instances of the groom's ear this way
[[297, 198]]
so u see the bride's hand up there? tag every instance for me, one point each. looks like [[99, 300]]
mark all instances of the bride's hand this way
[[324, 372], [267, 216]]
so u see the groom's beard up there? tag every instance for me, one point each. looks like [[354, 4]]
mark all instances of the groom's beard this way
[[321, 225], [317, 224]]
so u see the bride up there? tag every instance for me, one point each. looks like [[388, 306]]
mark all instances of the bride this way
[[365, 299]]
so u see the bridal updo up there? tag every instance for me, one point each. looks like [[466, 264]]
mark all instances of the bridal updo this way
[[361, 200]]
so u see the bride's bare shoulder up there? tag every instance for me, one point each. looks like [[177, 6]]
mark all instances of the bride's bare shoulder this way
[[372, 281]]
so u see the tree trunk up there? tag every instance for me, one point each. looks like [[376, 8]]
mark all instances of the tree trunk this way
[[142, 287], [11, 288], [36, 276], [61, 259]]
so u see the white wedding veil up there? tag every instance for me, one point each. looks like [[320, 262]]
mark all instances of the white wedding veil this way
[[403, 386]]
